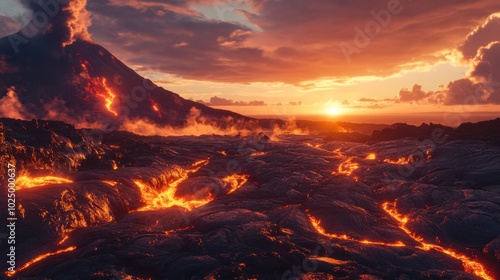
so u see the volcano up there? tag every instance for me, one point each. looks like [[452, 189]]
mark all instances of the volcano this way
[[406, 202], [85, 83]]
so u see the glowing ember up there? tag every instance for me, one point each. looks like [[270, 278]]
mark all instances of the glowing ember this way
[[371, 156], [347, 168], [26, 182], [399, 161], [258, 154], [155, 107], [40, 258], [166, 198], [470, 265], [235, 181], [316, 224]]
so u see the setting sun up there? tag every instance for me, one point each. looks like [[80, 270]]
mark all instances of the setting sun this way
[[333, 111]]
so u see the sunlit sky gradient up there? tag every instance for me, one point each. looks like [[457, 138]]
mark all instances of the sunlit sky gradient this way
[[291, 51]]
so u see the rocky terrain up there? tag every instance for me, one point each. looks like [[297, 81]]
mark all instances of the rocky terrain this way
[[121, 206]]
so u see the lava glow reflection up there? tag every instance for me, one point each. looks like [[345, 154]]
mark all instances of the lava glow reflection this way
[[26, 182], [470, 265]]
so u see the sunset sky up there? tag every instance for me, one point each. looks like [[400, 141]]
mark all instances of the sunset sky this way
[[331, 57]]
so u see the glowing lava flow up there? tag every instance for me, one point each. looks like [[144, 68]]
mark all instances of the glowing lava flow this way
[[99, 87], [470, 266], [166, 198], [40, 258], [65, 237], [399, 161], [347, 168], [26, 182], [316, 224], [109, 98], [317, 146], [235, 181], [371, 156]]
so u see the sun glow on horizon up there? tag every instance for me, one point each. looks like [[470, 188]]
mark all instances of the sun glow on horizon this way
[[333, 111]]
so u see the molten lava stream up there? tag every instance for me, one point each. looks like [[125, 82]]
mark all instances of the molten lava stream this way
[[316, 224], [470, 265], [235, 181], [166, 198], [26, 182], [98, 87], [40, 258], [399, 161], [347, 168], [109, 97]]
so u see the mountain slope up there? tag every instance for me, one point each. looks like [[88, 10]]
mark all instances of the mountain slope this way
[[84, 83]]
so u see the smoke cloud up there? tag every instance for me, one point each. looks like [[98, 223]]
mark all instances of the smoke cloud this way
[[64, 20], [219, 101], [11, 107]]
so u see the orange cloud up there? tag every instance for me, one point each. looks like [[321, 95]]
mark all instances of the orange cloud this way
[[300, 40]]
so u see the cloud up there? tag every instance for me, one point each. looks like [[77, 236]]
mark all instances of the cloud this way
[[367, 100], [480, 86], [481, 36], [219, 101], [299, 40], [295, 103], [414, 95]]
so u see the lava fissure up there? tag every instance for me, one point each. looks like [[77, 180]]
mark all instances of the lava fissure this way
[[470, 265]]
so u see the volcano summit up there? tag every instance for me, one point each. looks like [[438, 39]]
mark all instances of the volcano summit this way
[[53, 70]]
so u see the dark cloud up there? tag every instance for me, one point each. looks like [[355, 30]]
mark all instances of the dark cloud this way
[[299, 39], [481, 36], [219, 101], [416, 94], [481, 86]]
